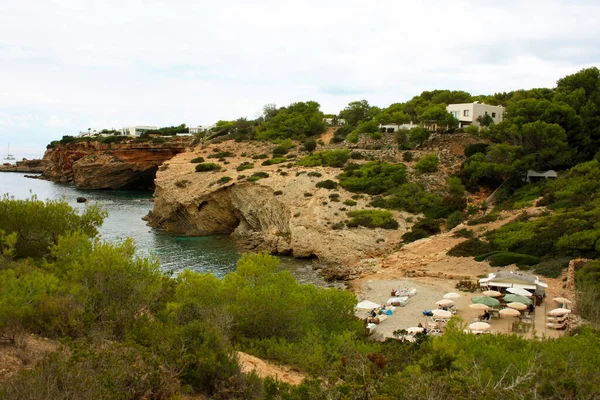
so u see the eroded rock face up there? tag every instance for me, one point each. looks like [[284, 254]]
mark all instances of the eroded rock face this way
[[94, 165], [281, 214]]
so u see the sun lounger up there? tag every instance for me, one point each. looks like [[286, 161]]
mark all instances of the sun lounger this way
[[557, 326], [558, 319]]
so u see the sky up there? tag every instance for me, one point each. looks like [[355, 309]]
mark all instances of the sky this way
[[70, 65]]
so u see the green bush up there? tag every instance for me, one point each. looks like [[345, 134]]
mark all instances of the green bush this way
[[330, 158], [350, 202], [470, 248], [464, 233], [335, 197], [274, 160], [356, 155], [224, 179], [407, 156], [260, 156], [222, 154], [422, 229], [552, 267], [315, 174], [327, 184], [455, 219], [373, 177], [279, 151], [278, 193], [372, 219], [245, 165], [428, 163], [503, 259], [309, 145], [307, 194], [197, 160], [204, 167], [476, 148]]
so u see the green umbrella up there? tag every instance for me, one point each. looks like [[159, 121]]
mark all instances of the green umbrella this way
[[517, 298], [487, 300]]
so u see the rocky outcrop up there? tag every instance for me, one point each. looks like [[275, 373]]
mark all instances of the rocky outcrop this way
[[95, 165], [283, 213], [29, 166]]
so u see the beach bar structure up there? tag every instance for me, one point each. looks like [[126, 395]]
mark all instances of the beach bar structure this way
[[503, 280]]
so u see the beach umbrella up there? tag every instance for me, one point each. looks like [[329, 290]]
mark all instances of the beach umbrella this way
[[517, 306], [479, 326], [444, 302], [520, 291], [492, 293], [367, 304], [562, 300], [560, 311], [517, 298], [478, 306], [441, 313], [510, 312], [415, 329], [487, 300], [451, 295]]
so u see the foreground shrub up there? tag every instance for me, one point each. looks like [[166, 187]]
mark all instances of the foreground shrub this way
[[327, 184], [330, 158], [428, 163], [372, 219], [204, 167], [197, 160], [373, 177]]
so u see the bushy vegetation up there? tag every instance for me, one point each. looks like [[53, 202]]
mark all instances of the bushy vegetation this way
[[327, 184], [373, 177], [296, 121], [330, 158], [428, 163], [423, 228], [245, 165], [204, 167], [372, 219], [197, 160]]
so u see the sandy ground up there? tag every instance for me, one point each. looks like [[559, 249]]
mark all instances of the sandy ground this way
[[263, 368]]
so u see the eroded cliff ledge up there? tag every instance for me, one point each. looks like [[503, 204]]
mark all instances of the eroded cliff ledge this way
[[95, 165], [283, 213]]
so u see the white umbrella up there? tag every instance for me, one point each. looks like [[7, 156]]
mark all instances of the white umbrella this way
[[517, 306], [441, 313], [368, 304], [562, 300], [479, 326], [560, 311], [520, 291], [492, 293], [451, 295], [444, 302], [477, 306], [509, 312], [415, 329]]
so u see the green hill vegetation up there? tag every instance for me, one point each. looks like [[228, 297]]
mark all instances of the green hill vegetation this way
[[127, 331]]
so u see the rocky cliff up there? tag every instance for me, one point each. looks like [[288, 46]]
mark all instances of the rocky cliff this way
[[95, 165], [31, 166], [283, 213]]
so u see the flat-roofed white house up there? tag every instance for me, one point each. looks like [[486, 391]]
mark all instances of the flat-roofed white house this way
[[467, 113], [201, 128], [137, 130], [335, 121], [397, 127]]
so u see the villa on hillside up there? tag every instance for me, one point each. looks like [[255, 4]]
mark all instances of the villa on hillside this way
[[137, 130], [396, 127], [201, 128], [534, 176], [467, 113], [335, 121]]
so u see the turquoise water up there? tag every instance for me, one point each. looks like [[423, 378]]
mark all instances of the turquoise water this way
[[215, 254]]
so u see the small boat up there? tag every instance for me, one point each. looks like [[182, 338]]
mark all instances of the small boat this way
[[9, 156]]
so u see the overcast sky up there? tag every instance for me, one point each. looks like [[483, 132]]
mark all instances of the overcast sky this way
[[69, 65]]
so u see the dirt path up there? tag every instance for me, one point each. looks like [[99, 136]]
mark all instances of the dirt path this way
[[263, 368], [328, 135]]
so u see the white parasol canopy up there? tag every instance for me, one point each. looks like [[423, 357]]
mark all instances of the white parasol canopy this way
[[562, 300], [479, 326], [520, 291], [492, 293], [441, 313], [560, 311], [444, 302], [517, 306], [368, 304], [415, 329], [477, 306], [509, 312], [452, 295]]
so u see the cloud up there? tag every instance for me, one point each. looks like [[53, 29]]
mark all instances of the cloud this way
[[167, 62]]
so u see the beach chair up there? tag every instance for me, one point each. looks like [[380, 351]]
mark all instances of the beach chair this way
[[557, 326]]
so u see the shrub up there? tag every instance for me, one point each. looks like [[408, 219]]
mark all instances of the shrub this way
[[207, 167], [503, 259], [309, 146], [327, 184], [350, 203], [470, 248], [552, 267], [373, 177], [428, 163], [356, 155], [224, 179], [422, 229], [260, 156], [306, 194], [407, 156], [197, 160], [418, 135], [476, 148], [330, 158], [376, 135], [278, 193], [455, 219], [334, 197], [245, 165], [315, 174], [181, 183], [372, 219], [337, 226], [279, 151], [274, 160], [464, 233], [260, 175], [222, 154]]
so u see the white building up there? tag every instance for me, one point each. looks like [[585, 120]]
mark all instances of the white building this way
[[467, 113], [137, 130], [335, 121], [397, 127], [201, 128]]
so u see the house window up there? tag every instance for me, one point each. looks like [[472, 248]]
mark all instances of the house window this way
[[454, 114], [493, 115], [467, 113]]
